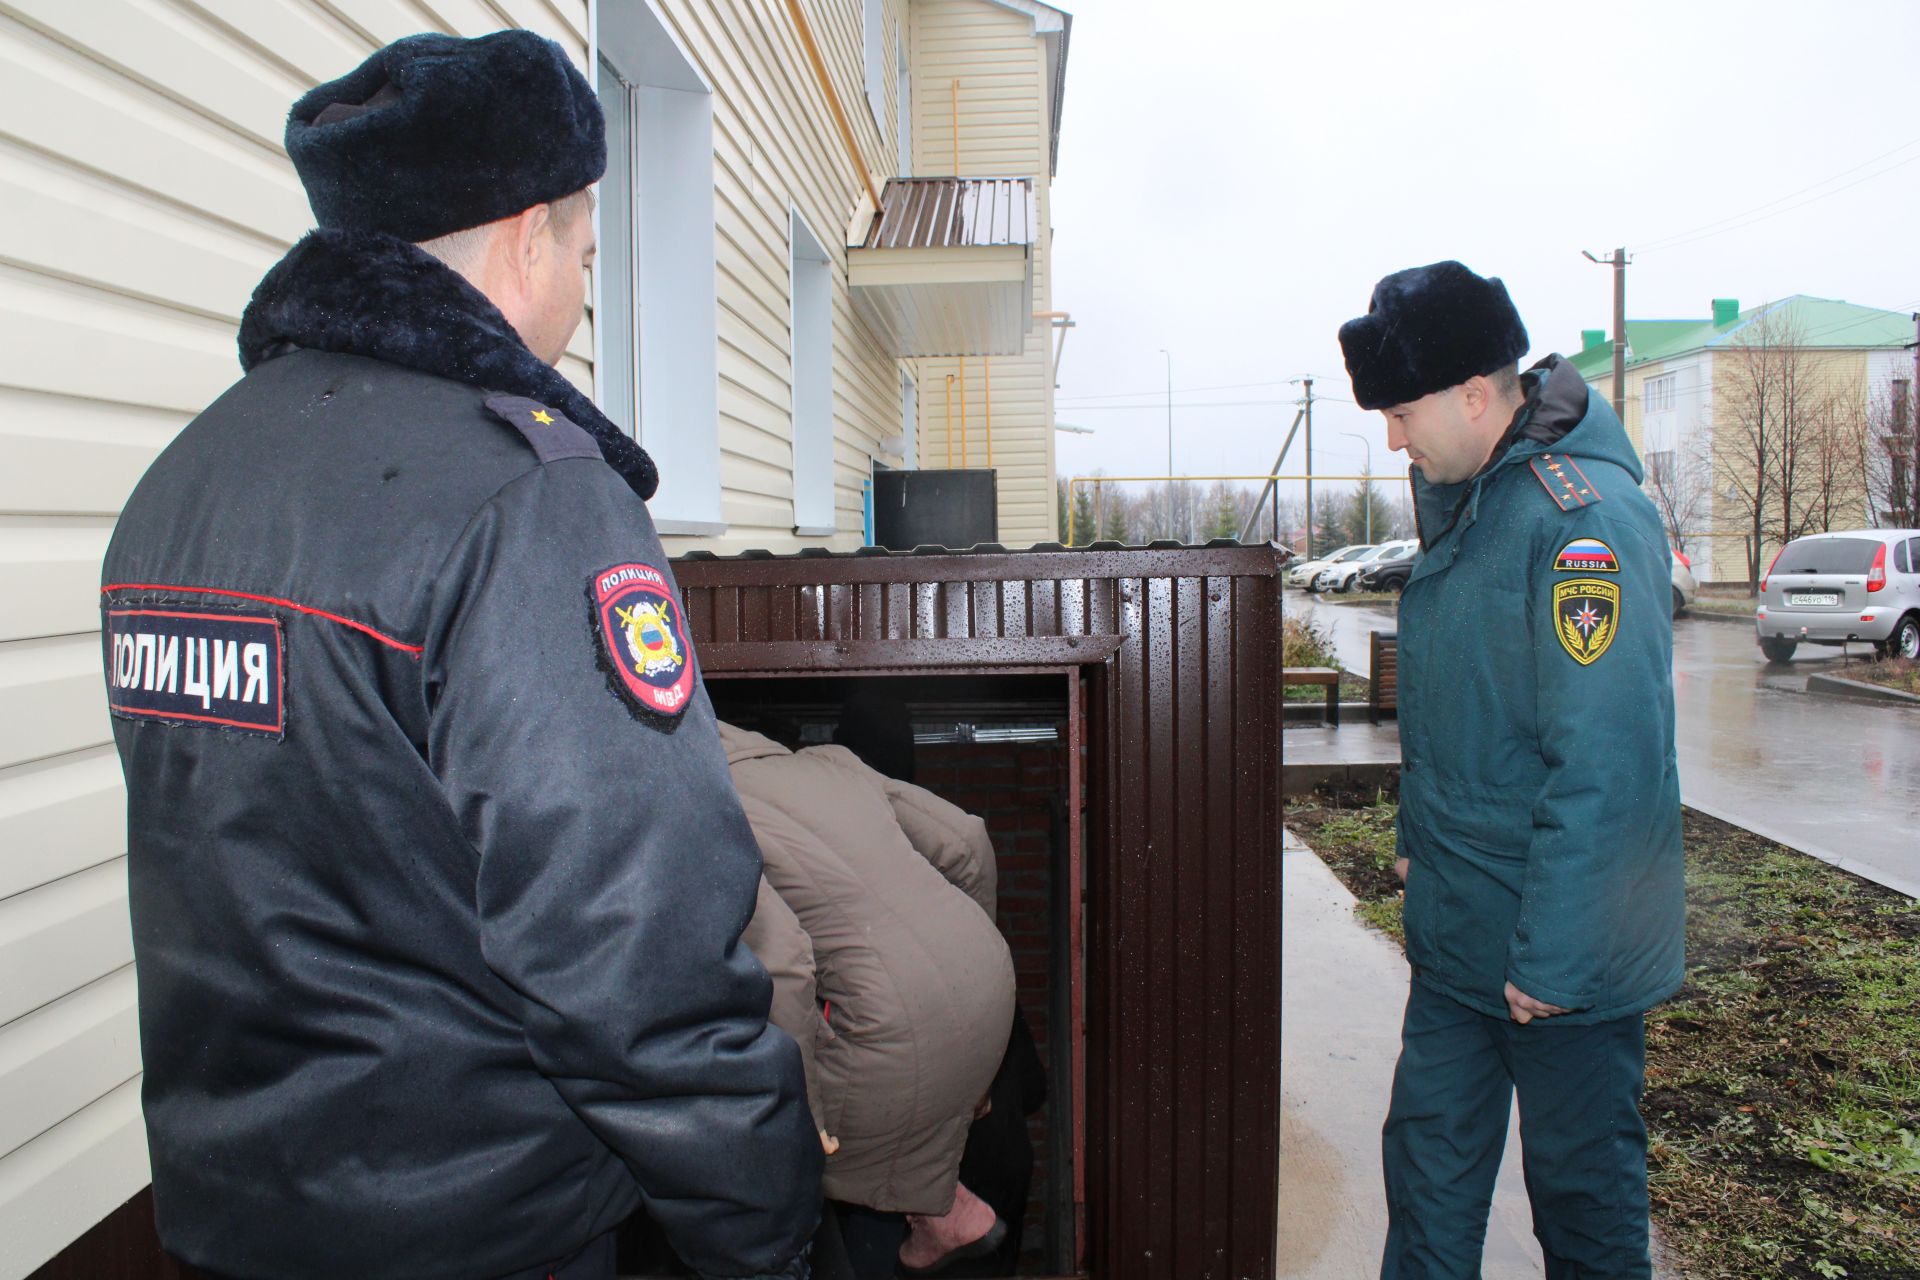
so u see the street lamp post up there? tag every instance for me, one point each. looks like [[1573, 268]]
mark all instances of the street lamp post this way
[[1169, 356], [1366, 490]]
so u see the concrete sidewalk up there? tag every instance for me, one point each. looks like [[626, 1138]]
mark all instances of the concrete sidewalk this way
[[1344, 987], [1356, 755]]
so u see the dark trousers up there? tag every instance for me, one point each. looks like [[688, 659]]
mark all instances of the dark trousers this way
[[593, 1261], [1582, 1142]]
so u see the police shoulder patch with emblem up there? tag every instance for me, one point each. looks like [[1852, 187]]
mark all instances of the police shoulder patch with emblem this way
[[1586, 616], [643, 639]]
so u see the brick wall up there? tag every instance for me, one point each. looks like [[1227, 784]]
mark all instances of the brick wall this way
[[1015, 788]]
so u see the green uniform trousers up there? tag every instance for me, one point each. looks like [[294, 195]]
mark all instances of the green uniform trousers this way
[[1583, 1143]]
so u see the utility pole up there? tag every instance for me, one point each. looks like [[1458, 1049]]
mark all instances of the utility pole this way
[[1309, 421], [1169, 356], [1619, 264]]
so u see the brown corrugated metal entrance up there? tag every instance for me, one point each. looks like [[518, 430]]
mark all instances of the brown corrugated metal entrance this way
[[1174, 654]]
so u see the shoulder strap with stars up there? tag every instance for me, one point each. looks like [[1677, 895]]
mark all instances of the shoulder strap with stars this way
[[551, 433], [1564, 481]]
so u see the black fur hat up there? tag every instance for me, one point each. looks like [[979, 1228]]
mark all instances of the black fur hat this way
[[1427, 329], [435, 134]]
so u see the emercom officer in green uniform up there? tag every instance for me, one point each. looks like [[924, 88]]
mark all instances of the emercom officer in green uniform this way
[[1540, 804]]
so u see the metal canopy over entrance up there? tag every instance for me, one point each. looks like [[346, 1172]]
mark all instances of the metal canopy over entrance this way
[[945, 268]]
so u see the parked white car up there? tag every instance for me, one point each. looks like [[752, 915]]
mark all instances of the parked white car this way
[[1299, 575], [1342, 576], [1832, 588], [1684, 587]]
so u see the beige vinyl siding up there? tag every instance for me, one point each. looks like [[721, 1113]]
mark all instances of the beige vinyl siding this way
[[776, 151], [1844, 370], [143, 192], [1003, 131]]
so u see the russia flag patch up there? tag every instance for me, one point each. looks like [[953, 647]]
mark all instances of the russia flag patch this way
[[1586, 555]]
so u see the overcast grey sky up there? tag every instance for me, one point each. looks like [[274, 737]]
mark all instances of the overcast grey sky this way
[[1236, 174]]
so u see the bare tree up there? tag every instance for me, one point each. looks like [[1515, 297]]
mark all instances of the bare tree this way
[[1293, 522], [1892, 479], [1835, 467], [1779, 407], [1399, 503], [1680, 482]]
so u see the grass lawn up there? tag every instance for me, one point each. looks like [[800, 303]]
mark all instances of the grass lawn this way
[[1304, 644], [1740, 606], [1892, 673], [1783, 1081]]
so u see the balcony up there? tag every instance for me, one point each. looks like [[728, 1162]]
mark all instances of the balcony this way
[[945, 268]]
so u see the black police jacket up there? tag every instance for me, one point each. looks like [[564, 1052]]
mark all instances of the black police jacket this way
[[437, 872]]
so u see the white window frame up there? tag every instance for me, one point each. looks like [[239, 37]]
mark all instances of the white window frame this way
[[1657, 395], [810, 347], [660, 309]]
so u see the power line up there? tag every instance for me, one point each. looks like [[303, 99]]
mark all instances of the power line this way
[[1160, 394], [1737, 226], [1198, 404], [1661, 241]]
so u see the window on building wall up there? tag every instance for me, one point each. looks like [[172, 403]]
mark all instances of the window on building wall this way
[[657, 322], [873, 26], [812, 286], [1660, 467], [1657, 394]]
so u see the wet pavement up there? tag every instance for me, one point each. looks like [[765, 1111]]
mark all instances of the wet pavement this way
[[1834, 777], [1344, 987]]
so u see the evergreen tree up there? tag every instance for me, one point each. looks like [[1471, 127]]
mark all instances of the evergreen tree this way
[[1350, 520], [1114, 517], [1084, 530], [1224, 511]]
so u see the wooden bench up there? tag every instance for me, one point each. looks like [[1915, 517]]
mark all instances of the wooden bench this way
[[1328, 676], [1383, 690]]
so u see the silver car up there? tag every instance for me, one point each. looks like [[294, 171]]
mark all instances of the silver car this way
[[1342, 576], [1301, 574], [1831, 588]]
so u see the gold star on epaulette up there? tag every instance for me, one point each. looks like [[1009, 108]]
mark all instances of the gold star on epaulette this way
[[1564, 482], [542, 417]]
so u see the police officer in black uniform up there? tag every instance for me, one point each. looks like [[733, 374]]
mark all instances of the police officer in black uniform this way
[[437, 872]]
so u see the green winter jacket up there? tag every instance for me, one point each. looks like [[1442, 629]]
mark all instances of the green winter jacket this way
[[1540, 802]]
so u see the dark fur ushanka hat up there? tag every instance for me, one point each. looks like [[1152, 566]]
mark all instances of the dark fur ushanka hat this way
[[1427, 329], [435, 134]]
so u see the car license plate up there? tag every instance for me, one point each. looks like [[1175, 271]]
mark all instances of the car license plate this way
[[1813, 598]]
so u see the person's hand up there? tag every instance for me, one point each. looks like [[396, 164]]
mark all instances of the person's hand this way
[[828, 1142], [1523, 1008], [1400, 869]]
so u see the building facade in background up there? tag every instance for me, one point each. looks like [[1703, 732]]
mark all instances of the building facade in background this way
[[1799, 410], [766, 343]]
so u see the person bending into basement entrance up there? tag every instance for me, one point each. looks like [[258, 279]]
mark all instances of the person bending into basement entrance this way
[[876, 921]]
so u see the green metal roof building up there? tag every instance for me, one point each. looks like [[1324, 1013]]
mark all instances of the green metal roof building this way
[[1820, 322], [1679, 402]]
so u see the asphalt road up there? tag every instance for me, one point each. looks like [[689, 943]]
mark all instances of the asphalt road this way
[[1833, 777]]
